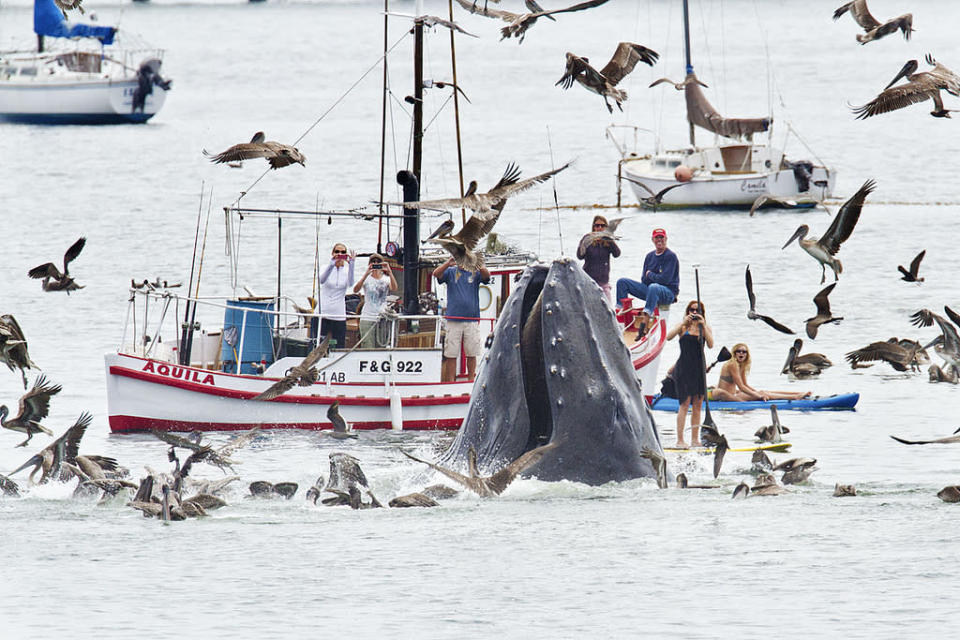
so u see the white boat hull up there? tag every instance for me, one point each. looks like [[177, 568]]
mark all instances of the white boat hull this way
[[76, 102]]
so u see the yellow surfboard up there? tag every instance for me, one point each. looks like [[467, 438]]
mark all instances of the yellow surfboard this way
[[779, 447]]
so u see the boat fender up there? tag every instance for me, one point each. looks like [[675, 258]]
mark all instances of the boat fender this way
[[396, 410]]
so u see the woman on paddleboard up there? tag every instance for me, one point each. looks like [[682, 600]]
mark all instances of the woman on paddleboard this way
[[733, 384], [688, 371]]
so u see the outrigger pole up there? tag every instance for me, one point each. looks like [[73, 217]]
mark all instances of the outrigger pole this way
[[456, 109], [182, 353]]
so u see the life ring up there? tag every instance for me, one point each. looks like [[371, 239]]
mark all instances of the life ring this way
[[484, 290]]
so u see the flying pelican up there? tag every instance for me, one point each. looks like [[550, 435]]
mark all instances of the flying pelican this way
[[51, 458], [303, 374], [53, 279], [518, 23], [911, 275], [341, 430], [219, 457], [948, 343], [824, 249], [443, 230], [823, 311], [13, 347], [679, 86], [654, 199], [432, 21], [873, 27], [919, 87], [604, 82], [752, 312], [900, 356], [34, 407], [487, 487], [277, 154], [346, 478]]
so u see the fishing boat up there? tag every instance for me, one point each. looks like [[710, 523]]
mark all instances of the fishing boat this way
[[203, 372], [80, 74], [732, 173]]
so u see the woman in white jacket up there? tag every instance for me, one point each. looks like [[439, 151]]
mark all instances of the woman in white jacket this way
[[334, 281]]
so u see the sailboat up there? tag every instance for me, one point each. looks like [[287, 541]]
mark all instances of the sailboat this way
[[734, 173], [80, 76]]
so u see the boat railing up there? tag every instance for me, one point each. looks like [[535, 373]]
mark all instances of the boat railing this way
[[292, 332]]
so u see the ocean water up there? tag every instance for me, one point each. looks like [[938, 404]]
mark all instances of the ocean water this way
[[553, 559]]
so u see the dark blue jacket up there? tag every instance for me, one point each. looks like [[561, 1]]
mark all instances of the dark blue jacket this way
[[663, 269]]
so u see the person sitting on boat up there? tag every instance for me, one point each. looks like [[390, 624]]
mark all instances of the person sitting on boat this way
[[596, 256], [377, 282], [462, 317], [733, 384], [688, 373], [660, 283], [333, 290]]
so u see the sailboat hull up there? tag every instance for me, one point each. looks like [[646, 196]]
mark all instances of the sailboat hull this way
[[83, 102]]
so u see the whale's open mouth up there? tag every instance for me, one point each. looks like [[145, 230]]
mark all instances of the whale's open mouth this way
[[532, 369]]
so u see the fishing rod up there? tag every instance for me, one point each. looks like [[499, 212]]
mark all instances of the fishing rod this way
[[193, 264]]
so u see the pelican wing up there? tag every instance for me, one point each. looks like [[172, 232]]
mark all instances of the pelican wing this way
[[242, 151], [858, 9], [72, 253], [915, 263], [776, 325], [846, 219], [887, 351], [923, 86], [47, 270], [176, 441], [238, 442], [925, 318], [750, 295], [278, 388], [947, 440], [499, 481], [441, 204], [477, 226], [316, 353], [580, 6], [822, 301], [468, 483], [487, 12], [507, 190], [575, 67], [35, 404], [902, 23], [625, 59]]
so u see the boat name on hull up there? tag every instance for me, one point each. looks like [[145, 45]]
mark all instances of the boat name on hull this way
[[181, 373]]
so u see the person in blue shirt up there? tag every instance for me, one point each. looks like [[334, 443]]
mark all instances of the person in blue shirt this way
[[660, 283], [462, 316]]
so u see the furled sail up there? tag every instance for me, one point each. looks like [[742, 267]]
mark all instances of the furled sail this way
[[701, 113], [48, 20]]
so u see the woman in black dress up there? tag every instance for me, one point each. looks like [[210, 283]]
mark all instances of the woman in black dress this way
[[688, 372]]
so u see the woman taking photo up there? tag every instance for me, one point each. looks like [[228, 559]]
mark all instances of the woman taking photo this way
[[376, 283], [333, 290], [688, 372], [733, 381]]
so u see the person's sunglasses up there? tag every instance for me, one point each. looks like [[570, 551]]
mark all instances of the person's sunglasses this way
[[340, 253], [599, 225], [743, 351]]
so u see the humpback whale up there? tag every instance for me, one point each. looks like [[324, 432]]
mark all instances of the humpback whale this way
[[558, 371]]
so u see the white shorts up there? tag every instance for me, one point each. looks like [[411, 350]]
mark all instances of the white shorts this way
[[465, 333]]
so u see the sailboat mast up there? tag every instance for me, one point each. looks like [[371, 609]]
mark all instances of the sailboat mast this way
[[383, 121], [686, 48], [417, 95]]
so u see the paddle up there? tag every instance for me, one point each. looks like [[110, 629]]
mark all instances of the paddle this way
[[723, 356], [708, 420]]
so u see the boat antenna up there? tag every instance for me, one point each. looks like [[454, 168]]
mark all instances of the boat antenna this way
[[686, 46], [456, 109], [553, 182], [383, 126], [188, 333]]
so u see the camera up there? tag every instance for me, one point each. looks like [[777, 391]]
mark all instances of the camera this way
[[378, 266]]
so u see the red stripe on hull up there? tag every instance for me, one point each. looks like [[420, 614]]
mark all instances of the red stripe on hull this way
[[130, 424]]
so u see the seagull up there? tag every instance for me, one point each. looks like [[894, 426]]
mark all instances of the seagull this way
[[604, 82], [432, 21], [766, 200], [919, 87], [13, 347], [487, 487], [873, 27], [341, 430], [34, 407], [605, 235], [752, 312], [53, 279], [900, 356], [303, 374], [825, 248], [823, 311], [50, 459], [518, 23], [679, 86], [806, 365], [654, 199], [277, 154], [911, 275]]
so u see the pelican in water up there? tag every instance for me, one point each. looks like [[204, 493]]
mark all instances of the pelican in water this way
[[34, 407], [902, 355], [911, 275], [53, 278], [604, 82], [518, 23], [345, 482], [874, 28], [742, 490], [823, 312], [844, 490], [948, 373], [796, 470], [825, 248], [487, 208], [13, 347], [752, 311], [713, 438], [774, 432], [341, 430], [808, 363], [277, 154], [303, 374], [487, 487], [925, 85], [947, 344]]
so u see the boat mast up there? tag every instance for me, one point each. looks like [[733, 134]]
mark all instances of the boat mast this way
[[411, 180], [686, 46], [383, 121]]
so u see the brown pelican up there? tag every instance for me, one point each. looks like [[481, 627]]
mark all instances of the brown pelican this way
[[679, 86], [607, 234], [34, 407], [53, 279], [219, 457], [873, 27], [9, 487], [901, 355], [313, 493], [949, 494], [654, 199], [770, 201], [604, 82], [303, 374], [948, 373], [13, 347], [713, 438], [911, 275], [447, 225], [486, 207], [823, 311], [683, 483], [947, 440], [774, 432], [742, 490], [518, 23], [67, 5], [487, 487], [948, 342], [345, 477], [277, 154], [806, 365], [920, 86], [796, 470], [341, 430], [413, 500], [752, 312], [825, 248], [844, 490], [440, 492], [761, 461], [51, 458], [659, 464]]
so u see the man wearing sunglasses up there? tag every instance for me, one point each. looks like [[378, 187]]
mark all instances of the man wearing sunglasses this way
[[660, 283]]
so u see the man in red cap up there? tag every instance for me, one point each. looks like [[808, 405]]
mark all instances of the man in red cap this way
[[660, 283]]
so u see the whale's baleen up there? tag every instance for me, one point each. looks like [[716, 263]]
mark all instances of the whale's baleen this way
[[577, 387]]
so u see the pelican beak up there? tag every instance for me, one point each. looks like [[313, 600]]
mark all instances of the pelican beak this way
[[937, 340], [799, 233], [907, 69]]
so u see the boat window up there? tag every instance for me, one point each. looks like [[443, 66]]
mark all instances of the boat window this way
[[81, 61]]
